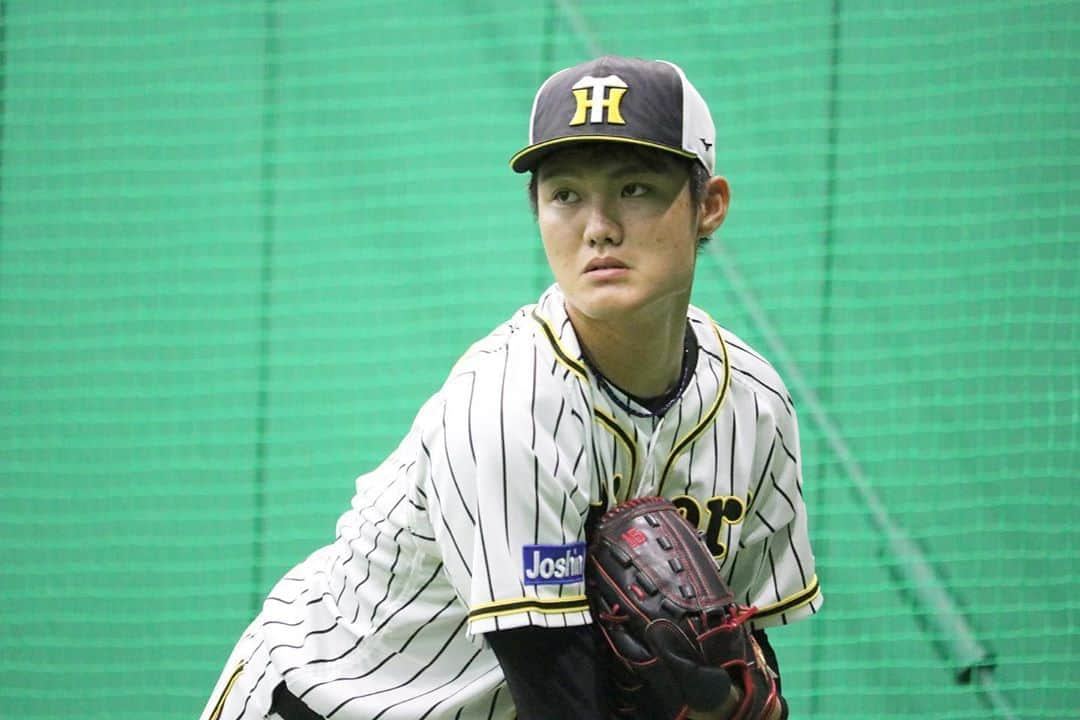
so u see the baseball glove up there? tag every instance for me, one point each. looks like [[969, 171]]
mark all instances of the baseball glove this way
[[680, 646]]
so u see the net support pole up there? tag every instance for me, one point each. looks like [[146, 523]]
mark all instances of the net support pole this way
[[965, 654]]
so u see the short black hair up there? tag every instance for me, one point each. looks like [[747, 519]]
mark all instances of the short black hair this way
[[653, 158]]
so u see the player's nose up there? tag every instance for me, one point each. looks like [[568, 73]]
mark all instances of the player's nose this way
[[602, 226]]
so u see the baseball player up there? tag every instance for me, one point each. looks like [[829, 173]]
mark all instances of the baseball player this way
[[454, 587]]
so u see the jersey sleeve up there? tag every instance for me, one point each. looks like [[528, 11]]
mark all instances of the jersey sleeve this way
[[775, 561], [507, 490]]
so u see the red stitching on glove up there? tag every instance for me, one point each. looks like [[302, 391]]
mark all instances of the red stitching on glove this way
[[737, 615]]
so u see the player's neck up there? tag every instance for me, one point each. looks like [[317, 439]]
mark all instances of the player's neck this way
[[642, 356]]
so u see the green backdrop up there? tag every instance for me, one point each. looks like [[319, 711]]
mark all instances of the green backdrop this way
[[241, 242]]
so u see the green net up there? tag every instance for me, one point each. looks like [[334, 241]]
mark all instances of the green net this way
[[241, 242]]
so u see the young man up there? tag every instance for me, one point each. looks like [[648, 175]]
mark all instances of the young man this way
[[455, 587]]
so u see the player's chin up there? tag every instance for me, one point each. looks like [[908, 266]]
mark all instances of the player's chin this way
[[609, 301]]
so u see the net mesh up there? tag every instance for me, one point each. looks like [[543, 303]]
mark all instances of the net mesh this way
[[241, 242]]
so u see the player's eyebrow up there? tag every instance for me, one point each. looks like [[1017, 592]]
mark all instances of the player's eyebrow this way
[[632, 166], [635, 167]]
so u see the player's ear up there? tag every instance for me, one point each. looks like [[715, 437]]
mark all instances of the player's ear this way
[[714, 205]]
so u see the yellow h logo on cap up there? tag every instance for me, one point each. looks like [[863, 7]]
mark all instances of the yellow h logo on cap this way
[[592, 95]]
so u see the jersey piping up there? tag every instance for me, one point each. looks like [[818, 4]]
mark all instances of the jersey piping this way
[[560, 351], [572, 603], [609, 423], [216, 713], [799, 599], [681, 446], [613, 427]]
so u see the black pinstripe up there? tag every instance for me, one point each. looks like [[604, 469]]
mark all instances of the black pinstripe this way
[[419, 672], [535, 456], [450, 468], [258, 682], [446, 525], [392, 655]]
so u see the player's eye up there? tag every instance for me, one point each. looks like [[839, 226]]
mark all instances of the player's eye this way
[[634, 190], [564, 196]]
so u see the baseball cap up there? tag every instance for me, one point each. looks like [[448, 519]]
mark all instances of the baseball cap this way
[[619, 99]]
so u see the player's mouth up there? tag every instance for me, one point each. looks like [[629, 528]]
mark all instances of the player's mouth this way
[[606, 268]]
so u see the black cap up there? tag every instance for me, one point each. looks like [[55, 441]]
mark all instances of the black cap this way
[[619, 99]]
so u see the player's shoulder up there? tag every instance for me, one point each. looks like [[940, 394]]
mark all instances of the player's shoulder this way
[[511, 377], [489, 352], [747, 367], [538, 338]]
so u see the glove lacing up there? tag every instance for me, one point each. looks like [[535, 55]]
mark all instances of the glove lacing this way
[[737, 615]]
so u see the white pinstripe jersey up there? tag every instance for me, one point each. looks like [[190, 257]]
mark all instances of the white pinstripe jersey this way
[[475, 522]]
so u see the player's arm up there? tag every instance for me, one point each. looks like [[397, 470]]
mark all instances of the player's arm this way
[[552, 672], [770, 655], [508, 494], [775, 567]]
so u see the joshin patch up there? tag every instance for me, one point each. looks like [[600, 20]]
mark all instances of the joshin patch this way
[[553, 564]]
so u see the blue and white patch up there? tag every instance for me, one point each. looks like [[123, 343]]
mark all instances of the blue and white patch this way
[[553, 564]]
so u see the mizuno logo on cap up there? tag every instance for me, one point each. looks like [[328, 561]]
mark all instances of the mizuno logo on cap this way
[[594, 96]]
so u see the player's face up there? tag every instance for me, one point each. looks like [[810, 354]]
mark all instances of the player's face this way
[[620, 229]]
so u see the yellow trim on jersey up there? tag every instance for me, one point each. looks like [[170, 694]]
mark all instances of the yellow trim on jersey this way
[[691, 436], [560, 352], [613, 427], [549, 606], [792, 602], [220, 704]]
